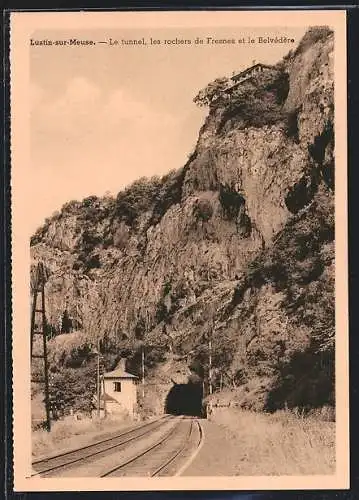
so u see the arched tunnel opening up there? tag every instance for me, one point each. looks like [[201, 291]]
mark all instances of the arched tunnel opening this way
[[186, 399]]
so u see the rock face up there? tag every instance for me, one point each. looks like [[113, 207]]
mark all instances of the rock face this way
[[238, 244]]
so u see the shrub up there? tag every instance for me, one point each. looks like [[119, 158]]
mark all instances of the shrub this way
[[73, 388], [306, 381], [90, 201], [169, 194], [292, 130], [231, 201], [167, 288], [252, 111], [93, 262], [206, 96], [90, 239], [85, 246], [71, 206], [136, 199], [66, 323], [140, 329], [121, 236], [162, 313], [203, 210], [257, 102], [302, 193]]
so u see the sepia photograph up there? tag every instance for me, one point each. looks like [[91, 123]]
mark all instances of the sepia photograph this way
[[179, 213]]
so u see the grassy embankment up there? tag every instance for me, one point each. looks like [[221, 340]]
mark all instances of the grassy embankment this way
[[283, 443], [70, 433]]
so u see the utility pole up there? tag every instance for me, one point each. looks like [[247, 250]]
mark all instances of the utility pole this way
[[221, 381], [210, 363], [143, 372], [104, 398], [98, 378]]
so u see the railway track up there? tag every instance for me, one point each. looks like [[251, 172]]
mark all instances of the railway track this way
[[158, 448], [52, 464], [166, 455]]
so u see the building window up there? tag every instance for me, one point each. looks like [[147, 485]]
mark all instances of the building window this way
[[117, 386]]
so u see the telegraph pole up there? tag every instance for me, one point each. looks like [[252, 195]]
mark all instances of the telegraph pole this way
[[143, 372], [210, 363], [104, 398], [98, 378]]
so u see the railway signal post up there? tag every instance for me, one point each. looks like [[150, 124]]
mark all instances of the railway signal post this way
[[38, 328]]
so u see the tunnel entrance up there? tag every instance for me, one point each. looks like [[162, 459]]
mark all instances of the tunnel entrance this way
[[185, 399]]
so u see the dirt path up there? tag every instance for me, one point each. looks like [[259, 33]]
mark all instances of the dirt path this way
[[218, 455]]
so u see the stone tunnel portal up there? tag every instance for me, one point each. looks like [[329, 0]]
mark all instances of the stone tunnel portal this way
[[185, 399]]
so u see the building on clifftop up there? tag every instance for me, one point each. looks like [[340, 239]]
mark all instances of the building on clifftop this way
[[235, 82], [252, 71]]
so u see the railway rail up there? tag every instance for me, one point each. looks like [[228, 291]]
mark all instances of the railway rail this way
[[164, 456], [53, 463]]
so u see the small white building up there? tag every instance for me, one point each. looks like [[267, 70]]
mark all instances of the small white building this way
[[120, 392]]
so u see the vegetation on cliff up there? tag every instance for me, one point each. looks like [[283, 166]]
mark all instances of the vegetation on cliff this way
[[237, 245]]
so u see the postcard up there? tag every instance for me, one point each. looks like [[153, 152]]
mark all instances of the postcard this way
[[179, 250]]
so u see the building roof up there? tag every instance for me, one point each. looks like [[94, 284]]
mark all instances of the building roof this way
[[119, 373], [248, 70], [104, 398], [107, 397]]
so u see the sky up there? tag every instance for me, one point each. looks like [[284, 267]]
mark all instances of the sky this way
[[104, 116]]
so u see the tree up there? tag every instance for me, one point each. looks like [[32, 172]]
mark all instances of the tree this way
[[66, 323], [73, 389], [206, 96], [137, 199]]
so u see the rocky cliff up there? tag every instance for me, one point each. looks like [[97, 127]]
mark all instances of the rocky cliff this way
[[238, 245]]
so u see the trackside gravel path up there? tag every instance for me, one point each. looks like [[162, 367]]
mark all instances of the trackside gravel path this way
[[218, 455]]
